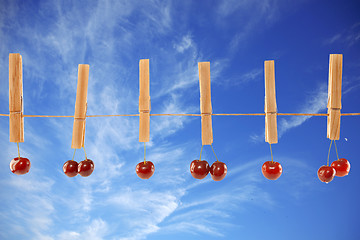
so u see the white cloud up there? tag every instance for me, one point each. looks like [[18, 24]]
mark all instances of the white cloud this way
[[349, 36], [185, 43]]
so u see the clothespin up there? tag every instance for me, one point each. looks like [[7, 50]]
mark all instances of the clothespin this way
[[16, 104], [334, 96], [270, 104], [144, 101], [205, 103], [78, 136]]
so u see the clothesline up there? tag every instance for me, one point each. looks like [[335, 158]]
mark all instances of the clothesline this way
[[192, 115]]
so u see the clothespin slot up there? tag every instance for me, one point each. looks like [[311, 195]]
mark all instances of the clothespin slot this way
[[205, 103], [16, 104], [270, 103], [334, 96], [78, 136], [144, 101]]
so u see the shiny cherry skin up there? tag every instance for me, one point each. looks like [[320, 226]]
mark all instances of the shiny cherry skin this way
[[199, 169], [271, 170], [70, 168], [218, 171], [20, 167], [326, 173], [342, 167], [145, 169], [86, 167]]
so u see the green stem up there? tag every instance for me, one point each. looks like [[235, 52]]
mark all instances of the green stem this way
[[329, 153], [201, 152], [18, 150], [272, 159], [214, 153]]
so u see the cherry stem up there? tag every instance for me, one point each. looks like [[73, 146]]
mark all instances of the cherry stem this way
[[214, 152], [201, 152], [329, 153], [144, 152], [336, 150], [272, 159], [18, 150], [85, 153], [74, 154]]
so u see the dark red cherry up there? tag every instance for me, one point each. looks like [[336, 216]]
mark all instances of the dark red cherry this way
[[271, 170], [70, 168], [86, 167], [326, 173], [145, 169], [199, 169], [342, 167], [218, 171], [20, 166]]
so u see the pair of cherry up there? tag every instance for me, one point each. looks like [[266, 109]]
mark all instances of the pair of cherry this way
[[199, 169], [85, 168], [339, 168]]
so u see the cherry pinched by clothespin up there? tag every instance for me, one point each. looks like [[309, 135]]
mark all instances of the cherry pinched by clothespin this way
[[85, 168], [199, 169], [144, 169], [341, 166], [18, 165], [270, 169]]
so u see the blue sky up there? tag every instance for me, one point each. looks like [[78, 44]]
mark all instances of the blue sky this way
[[53, 37]]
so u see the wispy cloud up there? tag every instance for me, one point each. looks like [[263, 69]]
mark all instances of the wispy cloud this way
[[349, 36]]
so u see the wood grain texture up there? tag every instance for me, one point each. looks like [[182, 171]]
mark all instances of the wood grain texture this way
[[270, 107], [334, 96], [16, 104], [78, 136], [205, 103], [144, 100]]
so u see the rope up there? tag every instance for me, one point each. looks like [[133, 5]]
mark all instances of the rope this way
[[192, 115]]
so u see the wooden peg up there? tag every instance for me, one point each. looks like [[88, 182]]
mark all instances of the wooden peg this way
[[78, 136], [16, 104], [334, 96], [144, 101], [205, 103], [270, 103]]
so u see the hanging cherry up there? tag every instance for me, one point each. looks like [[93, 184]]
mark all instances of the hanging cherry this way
[[70, 168], [342, 167]]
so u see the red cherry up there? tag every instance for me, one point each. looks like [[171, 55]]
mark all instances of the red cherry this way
[[70, 168], [145, 169], [326, 173], [199, 169], [218, 171], [20, 167], [342, 167], [271, 170], [86, 167]]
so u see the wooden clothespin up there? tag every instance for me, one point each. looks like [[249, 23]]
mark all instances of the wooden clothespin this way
[[270, 104], [205, 103], [78, 136], [334, 96], [144, 101], [16, 103]]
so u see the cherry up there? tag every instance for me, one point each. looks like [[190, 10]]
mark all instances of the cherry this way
[[342, 167], [326, 173], [86, 167], [218, 171], [145, 169], [199, 169], [20, 167], [271, 170], [70, 168]]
